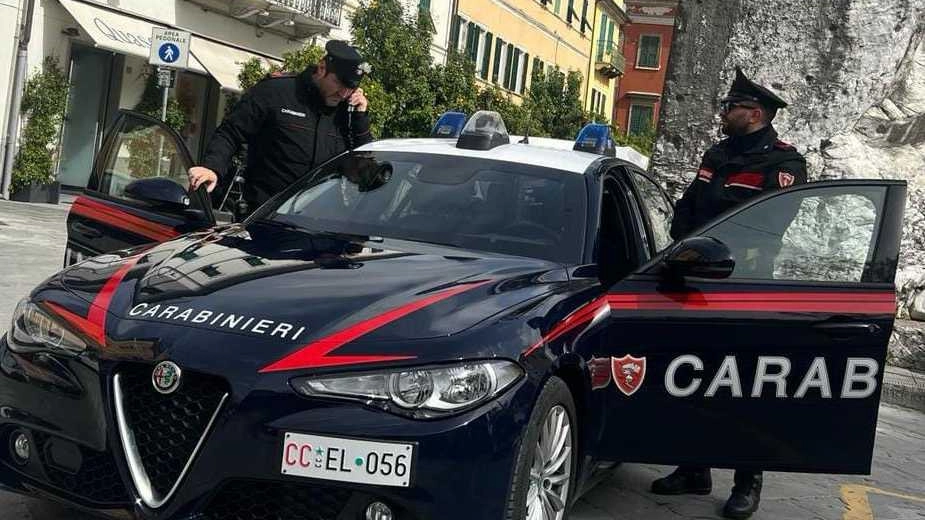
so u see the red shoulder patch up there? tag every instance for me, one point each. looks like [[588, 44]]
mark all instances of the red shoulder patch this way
[[784, 146]]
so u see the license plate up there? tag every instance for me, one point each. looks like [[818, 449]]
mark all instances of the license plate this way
[[348, 460]]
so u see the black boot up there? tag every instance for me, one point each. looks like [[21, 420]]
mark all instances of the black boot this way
[[745, 495], [684, 480]]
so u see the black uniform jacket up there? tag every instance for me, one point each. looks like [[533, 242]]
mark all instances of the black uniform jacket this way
[[731, 174], [288, 130]]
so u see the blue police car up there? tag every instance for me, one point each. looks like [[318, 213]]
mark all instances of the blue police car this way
[[458, 327]]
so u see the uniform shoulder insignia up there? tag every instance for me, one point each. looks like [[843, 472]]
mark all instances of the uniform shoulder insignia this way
[[784, 146]]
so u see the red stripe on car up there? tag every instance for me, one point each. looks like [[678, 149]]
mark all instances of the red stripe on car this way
[[124, 220], [316, 353], [94, 325], [817, 302]]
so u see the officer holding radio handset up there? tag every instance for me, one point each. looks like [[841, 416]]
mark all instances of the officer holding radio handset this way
[[291, 123]]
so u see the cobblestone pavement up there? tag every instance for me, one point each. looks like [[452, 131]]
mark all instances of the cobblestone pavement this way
[[32, 247]]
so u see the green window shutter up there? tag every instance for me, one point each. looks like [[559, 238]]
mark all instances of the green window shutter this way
[[601, 42], [454, 33], [648, 51], [571, 9], [640, 118], [610, 29], [486, 58], [499, 43], [508, 63], [584, 17], [523, 75], [424, 5], [557, 6]]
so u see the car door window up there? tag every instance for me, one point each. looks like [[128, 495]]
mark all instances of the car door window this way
[[142, 150], [658, 208], [808, 235]]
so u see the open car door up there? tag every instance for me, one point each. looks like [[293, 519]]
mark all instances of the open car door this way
[[137, 192], [760, 341]]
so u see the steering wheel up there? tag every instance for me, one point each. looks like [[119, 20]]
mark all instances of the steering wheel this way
[[530, 230]]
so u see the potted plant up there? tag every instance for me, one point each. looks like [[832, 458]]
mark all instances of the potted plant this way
[[43, 105]]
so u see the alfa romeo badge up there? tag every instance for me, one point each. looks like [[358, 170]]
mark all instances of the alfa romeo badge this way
[[166, 377]]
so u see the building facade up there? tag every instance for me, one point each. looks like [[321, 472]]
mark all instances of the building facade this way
[[103, 47], [509, 39], [440, 13], [607, 63], [646, 50]]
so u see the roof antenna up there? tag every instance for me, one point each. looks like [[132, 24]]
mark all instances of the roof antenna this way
[[526, 139]]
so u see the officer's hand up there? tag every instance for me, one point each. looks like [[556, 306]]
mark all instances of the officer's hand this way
[[358, 100], [199, 175]]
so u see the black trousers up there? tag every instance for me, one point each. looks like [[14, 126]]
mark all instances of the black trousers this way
[[743, 477]]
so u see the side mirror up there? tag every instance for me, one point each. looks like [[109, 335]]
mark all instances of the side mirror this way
[[159, 191], [703, 257]]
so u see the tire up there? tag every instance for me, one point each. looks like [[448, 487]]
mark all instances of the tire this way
[[554, 403]]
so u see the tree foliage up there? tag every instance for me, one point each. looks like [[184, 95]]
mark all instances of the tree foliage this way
[[43, 104], [407, 92]]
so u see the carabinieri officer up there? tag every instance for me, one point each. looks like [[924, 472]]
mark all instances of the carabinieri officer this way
[[291, 123]]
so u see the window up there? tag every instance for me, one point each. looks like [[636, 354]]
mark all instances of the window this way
[[455, 32], [486, 57], [472, 203], [648, 53], [424, 5], [640, 118], [499, 45], [142, 150], [824, 234], [657, 207], [570, 11], [524, 65], [472, 42], [602, 43]]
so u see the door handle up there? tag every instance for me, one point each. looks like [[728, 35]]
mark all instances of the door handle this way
[[86, 230], [849, 329]]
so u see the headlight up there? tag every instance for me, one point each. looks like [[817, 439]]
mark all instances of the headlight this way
[[33, 329], [419, 392]]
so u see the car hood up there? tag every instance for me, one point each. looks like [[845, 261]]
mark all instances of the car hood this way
[[288, 287]]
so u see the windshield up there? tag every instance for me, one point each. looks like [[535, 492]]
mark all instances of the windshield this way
[[470, 203]]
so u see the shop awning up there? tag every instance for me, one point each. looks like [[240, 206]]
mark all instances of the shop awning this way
[[224, 62], [118, 32]]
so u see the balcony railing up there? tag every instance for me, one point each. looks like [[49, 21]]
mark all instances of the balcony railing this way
[[610, 61], [299, 18]]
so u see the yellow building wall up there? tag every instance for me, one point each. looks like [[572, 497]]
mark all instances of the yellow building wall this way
[[615, 12], [536, 30]]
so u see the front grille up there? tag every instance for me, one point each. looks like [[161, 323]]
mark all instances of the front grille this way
[[168, 427], [255, 500], [97, 479]]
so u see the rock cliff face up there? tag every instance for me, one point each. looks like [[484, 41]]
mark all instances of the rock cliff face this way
[[853, 72]]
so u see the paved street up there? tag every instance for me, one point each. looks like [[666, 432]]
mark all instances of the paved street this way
[[32, 246]]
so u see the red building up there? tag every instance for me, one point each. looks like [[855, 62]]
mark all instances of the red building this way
[[646, 49]]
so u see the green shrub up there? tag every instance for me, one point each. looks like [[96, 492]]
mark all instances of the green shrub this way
[[43, 106]]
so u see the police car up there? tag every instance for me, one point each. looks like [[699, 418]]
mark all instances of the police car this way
[[459, 327]]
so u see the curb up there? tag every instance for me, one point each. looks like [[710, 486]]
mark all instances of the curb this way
[[903, 387]]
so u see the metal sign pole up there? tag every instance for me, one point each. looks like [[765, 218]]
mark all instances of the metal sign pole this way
[[164, 104]]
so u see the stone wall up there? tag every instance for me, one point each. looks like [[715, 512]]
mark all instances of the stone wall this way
[[853, 72]]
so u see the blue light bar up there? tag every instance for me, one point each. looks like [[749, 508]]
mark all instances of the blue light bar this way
[[449, 125], [595, 138]]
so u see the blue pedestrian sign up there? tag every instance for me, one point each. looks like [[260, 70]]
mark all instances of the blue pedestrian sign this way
[[169, 48], [169, 52]]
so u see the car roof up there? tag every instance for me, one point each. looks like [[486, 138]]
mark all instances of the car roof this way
[[531, 154]]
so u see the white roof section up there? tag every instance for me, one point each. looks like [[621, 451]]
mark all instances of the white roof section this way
[[531, 154], [626, 153]]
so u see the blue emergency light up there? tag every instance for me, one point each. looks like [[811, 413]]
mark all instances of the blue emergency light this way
[[595, 138], [450, 125]]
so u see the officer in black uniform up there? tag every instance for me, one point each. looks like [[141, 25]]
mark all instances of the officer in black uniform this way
[[751, 161], [291, 123]]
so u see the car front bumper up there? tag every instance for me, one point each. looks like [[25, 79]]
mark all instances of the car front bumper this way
[[64, 406]]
